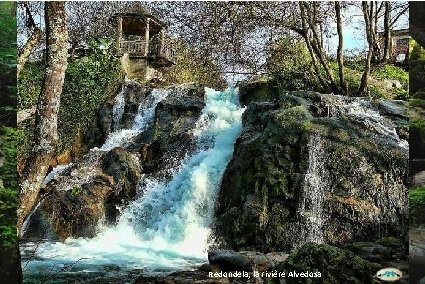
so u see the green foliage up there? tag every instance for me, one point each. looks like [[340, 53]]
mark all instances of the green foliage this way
[[417, 206], [7, 63], [8, 141], [76, 190], [392, 72], [8, 194], [86, 85], [29, 84], [7, 25], [8, 146], [417, 103], [335, 265], [88, 81], [191, 66], [419, 124], [417, 69], [290, 62]]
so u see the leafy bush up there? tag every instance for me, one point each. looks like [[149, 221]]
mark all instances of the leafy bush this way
[[392, 72], [29, 84], [417, 68], [290, 63], [417, 206], [88, 81], [8, 194]]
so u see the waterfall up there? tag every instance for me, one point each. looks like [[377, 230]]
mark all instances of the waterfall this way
[[167, 228], [118, 108], [143, 119], [119, 137], [311, 206], [363, 111]]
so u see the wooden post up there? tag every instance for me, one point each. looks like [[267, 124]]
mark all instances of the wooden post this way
[[161, 42], [119, 34], [147, 37]]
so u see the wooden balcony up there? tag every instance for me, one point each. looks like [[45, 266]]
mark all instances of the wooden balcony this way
[[159, 53], [134, 48]]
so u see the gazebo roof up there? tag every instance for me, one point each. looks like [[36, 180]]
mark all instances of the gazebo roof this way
[[140, 16]]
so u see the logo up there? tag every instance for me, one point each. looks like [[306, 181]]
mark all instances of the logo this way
[[389, 274]]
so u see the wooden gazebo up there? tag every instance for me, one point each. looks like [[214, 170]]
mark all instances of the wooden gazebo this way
[[142, 39]]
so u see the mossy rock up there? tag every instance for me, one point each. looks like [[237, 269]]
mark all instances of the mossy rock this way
[[336, 265]]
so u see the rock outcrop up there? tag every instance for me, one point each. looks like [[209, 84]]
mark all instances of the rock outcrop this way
[[91, 191], [84, 196], [312, 167]]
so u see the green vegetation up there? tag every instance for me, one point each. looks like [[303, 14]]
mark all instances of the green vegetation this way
[[8, 145], [417, 206], [7, 62], [417, 70], [191, 66], [417, 88], [290, 62], [8, 194], [335, 265], [88, 81]]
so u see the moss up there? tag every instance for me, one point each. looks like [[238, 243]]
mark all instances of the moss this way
[[76, 190], [88, 82], [9, 194], [417, 206], [297, 115], [335, 265]]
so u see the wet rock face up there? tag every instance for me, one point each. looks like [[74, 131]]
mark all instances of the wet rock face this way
[[85, 196], [132, 94], [314, 168], [175, 117], [334, 264], [91, 192]]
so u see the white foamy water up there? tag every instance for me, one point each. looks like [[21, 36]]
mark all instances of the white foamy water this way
[[168, 227], [118, 109], [374, 120], [315, 184], [56, 171], [143, 119]]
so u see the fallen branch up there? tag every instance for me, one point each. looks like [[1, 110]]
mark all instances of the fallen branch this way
[[25, 114]]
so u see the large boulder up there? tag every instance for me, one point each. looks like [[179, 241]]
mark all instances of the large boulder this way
[[335, 265], [175, 117], [84, 196], [229, 260], [311, 167]]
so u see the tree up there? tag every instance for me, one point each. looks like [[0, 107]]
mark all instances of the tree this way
[[310, 19], [340, 58], [45, 133], [369, 19], [33, 40]]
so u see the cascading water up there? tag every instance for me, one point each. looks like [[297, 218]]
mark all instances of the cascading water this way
[[168, 227], [141, 122], [311, 207], [118, 109]]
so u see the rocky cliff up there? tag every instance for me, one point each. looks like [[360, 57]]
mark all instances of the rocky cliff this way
[[312, 167], [144, 132]]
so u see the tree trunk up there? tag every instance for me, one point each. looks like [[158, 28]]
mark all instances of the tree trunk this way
[[312, 38], [46, 117], [387, 32], [304, 32], [368, 17], [340, 57], [26, 50]]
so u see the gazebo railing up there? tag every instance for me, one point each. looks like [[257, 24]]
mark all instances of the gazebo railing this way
[[132, 46], [158, 50]]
